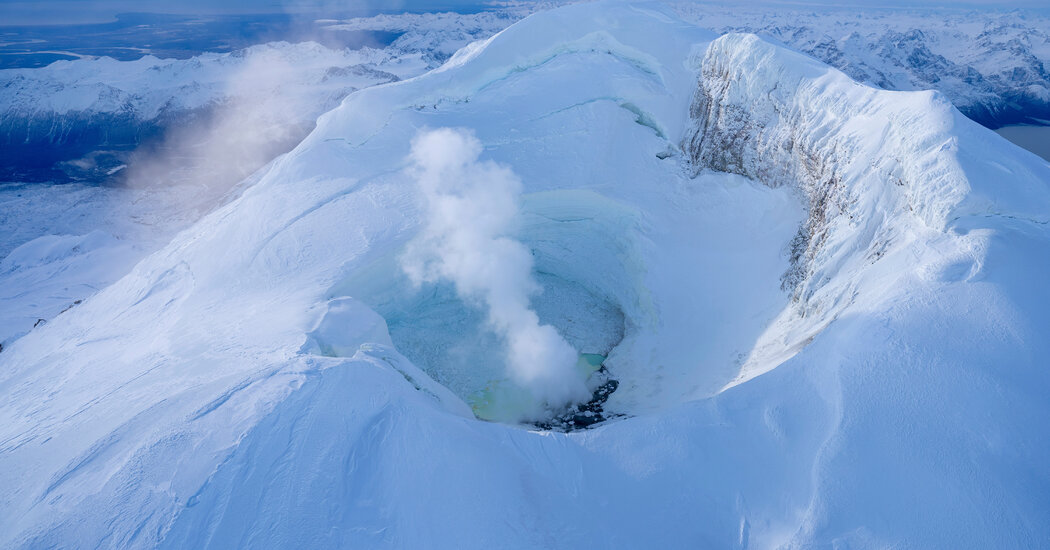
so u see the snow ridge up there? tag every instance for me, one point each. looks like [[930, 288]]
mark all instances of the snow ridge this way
[[871, 164], [238, 387], [992, 65]]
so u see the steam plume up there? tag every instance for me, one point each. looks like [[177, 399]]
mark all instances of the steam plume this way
[[470, 206], [258, 120]]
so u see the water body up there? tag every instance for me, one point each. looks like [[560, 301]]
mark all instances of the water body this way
[[1034, 138]]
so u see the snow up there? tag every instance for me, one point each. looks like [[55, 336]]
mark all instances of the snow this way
[[148, 86], [61, 244], [263, 100], [989, 62], [874, 379], [437, 36]]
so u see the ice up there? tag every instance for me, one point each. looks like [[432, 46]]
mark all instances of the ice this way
[[236, 388]]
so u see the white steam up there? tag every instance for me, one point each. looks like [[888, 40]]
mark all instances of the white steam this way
[[470, 207], [260, 117]]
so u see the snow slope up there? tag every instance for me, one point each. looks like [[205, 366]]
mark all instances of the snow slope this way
[[170, 137], [991, 64], [818, 298], [60, 245], [75, 120]]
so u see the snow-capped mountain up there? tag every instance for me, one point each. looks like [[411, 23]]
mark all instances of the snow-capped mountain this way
[[80, 118], [818, 300], [76, 119], [175, 135], [170, 138], [437, 36], [992, 65]]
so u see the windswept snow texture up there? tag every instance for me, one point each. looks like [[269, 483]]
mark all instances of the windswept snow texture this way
[[823, 303], [993, 65], [170, 138], [60, 245]]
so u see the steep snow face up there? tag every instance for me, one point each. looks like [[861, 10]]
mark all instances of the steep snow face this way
[[271, 379], [875, 168], [991, 64]]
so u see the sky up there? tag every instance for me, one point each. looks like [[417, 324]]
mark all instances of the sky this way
[[44, 12]]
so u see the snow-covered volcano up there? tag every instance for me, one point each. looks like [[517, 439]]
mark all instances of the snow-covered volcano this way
[[822, 304]]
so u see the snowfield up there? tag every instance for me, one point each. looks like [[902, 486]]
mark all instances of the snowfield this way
[[823, 304]]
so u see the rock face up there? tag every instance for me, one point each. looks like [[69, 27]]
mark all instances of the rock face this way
[[271, 379], [991, 65], [783, 120]]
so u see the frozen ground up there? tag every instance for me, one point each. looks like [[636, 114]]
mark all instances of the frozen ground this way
[[821, 301]]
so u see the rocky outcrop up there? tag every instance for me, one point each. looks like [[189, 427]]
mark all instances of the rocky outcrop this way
[[991, 65]]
